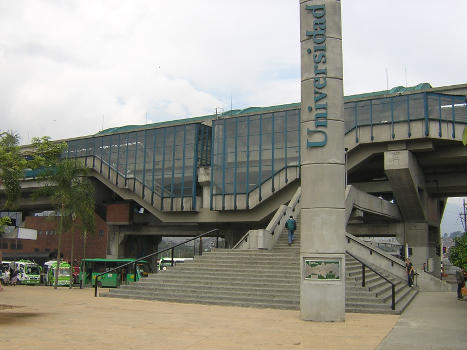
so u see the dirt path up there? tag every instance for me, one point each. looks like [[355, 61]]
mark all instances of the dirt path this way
[[44, 318]]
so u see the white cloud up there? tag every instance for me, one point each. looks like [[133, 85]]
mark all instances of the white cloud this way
[[70, 68]]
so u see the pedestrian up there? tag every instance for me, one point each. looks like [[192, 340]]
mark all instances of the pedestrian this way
[[410, 272], [6, 277], [13, 277], [291, 226], [460, 278]]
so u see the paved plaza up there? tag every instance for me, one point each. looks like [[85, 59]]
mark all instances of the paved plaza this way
[[44, 318]]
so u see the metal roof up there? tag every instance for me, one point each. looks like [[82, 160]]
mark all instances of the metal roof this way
[[260, 110]]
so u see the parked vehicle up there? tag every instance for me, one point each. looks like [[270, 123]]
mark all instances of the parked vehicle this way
[[90, 268], [28, 272], [63, 273], [167, 262]]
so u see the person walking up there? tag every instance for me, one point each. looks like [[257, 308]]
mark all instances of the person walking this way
[[410, 272], [460, 283], [13, 277], [291, 226]]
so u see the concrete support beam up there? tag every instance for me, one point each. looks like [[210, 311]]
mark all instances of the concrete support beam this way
[[442, 156], [359, 155], [373, 186], [204, 179], [322, 250], [446, 185], [408, 184], [356, 199], [377, 230]]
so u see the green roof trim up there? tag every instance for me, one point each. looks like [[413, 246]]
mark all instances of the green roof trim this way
[[258, 110], [394, 90]]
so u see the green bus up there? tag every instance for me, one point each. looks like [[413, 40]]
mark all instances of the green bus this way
[[28, 272], [63, 273], [90, 268]]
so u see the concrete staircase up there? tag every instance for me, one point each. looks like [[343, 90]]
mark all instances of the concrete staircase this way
[[376, 296], [262, 279]]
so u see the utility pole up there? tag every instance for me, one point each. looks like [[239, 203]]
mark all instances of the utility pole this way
[[463, 216]]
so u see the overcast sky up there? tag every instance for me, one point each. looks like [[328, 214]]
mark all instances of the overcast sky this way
[[71, 68]]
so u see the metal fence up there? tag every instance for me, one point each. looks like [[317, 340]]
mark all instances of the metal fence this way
[[405, 109], [164, 160]]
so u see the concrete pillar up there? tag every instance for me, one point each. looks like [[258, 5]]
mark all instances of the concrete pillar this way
[[434, 247], [416, 234], [113, 242], [204, 179], [322, 251]]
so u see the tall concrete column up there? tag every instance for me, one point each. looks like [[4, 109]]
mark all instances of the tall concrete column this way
[[322, 251], [417, 238], [424, 241], [204, 179], [114, 238]]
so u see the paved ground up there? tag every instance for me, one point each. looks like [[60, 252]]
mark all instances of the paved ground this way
[[43, 318], [432, 321], [74, 319]]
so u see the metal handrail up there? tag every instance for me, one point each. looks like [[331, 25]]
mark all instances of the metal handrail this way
[[161, 189], [172, 248], [372, 249], [393, 285], [261, 183], [277, 218]]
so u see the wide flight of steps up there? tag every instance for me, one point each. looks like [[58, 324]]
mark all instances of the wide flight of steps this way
[[224, 277], [262, 279]]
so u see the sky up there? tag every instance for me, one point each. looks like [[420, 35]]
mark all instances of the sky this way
[[452, 216], [72, 68]]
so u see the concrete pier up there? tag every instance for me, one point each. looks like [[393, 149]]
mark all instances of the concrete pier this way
[[322, 289]]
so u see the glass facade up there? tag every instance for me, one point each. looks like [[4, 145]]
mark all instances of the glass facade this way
[[164, 160], [406, 108], [250, 150], [244, 152]]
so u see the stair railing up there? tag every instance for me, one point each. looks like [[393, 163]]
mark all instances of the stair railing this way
[[377, 256], [270, 235], [393, 286], [171, 248]]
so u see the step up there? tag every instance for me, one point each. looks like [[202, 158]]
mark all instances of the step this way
[[262, 279], [239, 265], [227, 279], [215, 293], [292, 285], [402, 304], [280, 289], [246, 302]]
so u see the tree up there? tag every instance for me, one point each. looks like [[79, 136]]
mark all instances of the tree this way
[[66, 184], [71, 193], [4, 221], [83, 216], [45, 154], [12, 166], [458, 253]]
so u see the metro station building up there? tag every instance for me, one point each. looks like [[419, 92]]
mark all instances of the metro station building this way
[[233, 170]]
